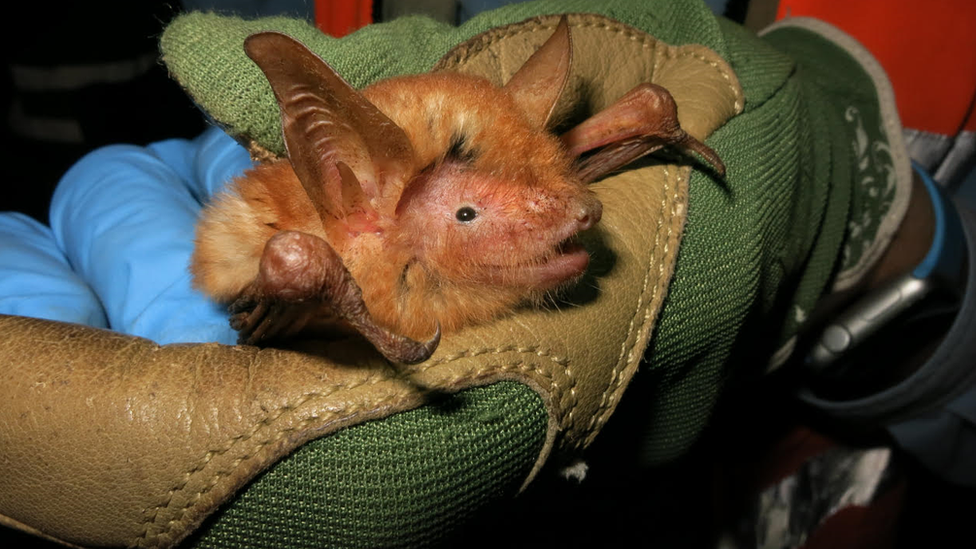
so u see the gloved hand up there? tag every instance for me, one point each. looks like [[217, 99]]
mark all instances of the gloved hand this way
[[121, 235], [116, 256]]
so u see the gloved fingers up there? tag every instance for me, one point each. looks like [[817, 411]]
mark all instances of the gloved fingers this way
[[217, 159], [124, 217], [205, 164], [36, 279]]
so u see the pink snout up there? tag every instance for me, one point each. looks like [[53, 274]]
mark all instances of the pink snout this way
[[588, 213]]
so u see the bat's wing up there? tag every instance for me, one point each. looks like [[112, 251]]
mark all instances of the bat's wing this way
[[644, 120], [349, 156], [298, 274]]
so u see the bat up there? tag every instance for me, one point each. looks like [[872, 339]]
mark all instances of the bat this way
[[418, 205]]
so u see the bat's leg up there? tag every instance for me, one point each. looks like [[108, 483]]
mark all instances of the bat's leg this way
[[644, 120], [299, 273]]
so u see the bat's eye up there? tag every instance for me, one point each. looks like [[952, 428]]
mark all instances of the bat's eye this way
[[466, 214]]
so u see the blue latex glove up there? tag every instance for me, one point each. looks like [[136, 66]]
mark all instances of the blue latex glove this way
[[121, 235]]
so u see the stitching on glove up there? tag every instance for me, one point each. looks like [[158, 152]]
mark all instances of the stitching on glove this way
[[488, 38], [626, 354], [564, 413], [673, 52], [535, 24], [145, 539]]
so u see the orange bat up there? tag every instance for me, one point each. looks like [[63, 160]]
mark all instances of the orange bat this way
[[422, 203]]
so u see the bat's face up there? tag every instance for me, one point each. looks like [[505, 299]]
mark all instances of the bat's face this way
[[508, 234], [508, 224], [496, 199]]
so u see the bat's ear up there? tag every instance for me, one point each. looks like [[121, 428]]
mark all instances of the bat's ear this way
[[348, 155], [540, 81]]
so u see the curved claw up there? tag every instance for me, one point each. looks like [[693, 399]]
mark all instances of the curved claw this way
[[706, 152], [398, 348]]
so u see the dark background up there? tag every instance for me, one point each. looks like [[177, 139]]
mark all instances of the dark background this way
[[48, 125], [101, 82]]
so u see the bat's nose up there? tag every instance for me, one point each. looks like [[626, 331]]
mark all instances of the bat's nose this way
[[589, 213]]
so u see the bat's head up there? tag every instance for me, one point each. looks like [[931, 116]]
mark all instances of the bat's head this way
[[496, 200]]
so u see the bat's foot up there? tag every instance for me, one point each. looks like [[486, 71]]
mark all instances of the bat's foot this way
[[301, 276], [258, 320]]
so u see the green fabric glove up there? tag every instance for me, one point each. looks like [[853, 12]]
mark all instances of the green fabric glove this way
[[407, 481], [817, 181], [204, 51]]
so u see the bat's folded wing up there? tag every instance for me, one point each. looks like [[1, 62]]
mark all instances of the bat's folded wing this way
[[113, 440]]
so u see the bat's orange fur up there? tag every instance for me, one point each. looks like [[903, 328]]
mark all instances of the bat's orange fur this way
[[420, 264]]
